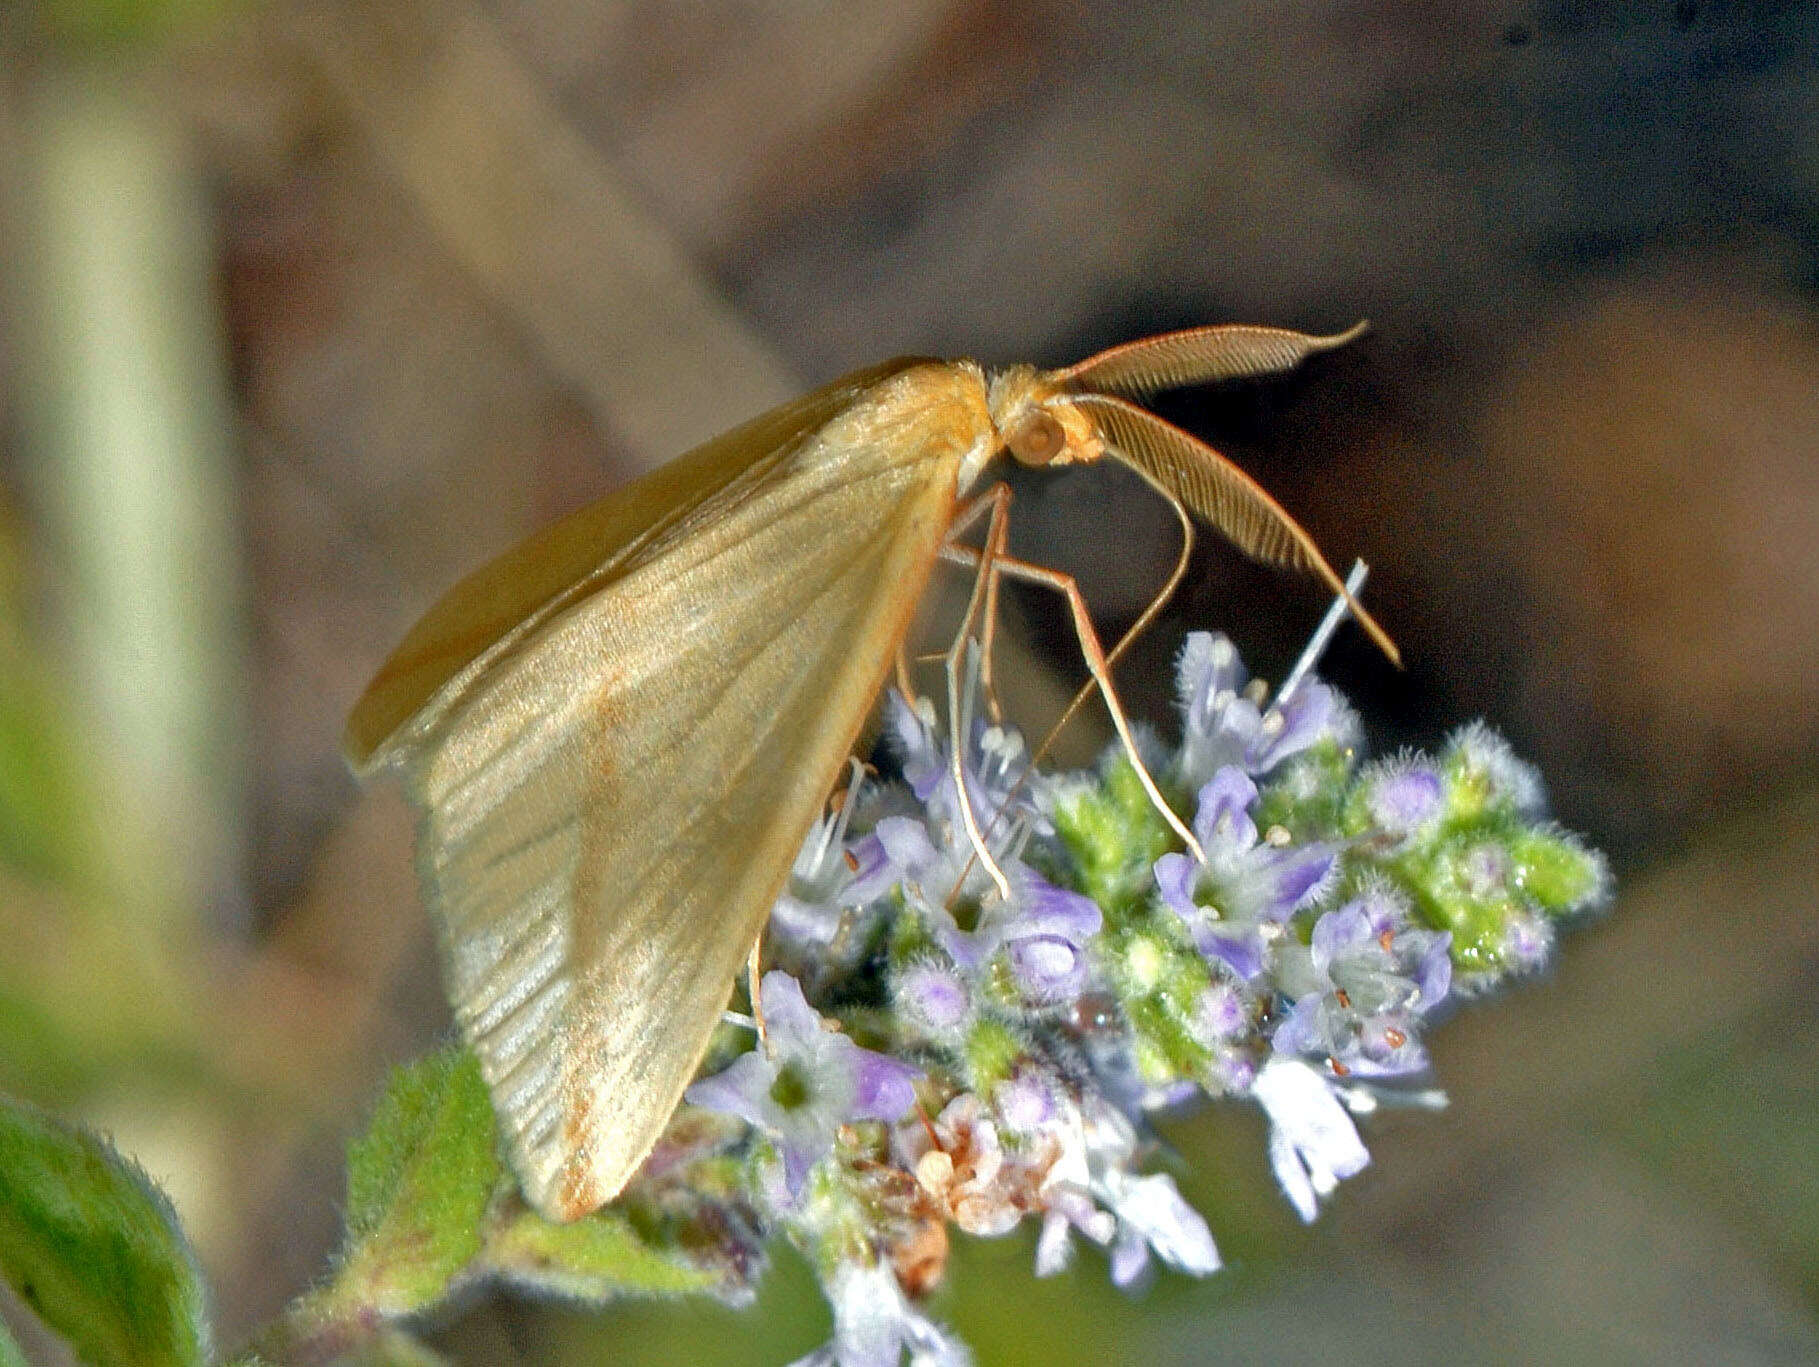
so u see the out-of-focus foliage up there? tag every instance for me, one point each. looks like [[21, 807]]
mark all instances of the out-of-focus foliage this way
[[1733, 1120], [123, 24], [88, 1242], [76, 993], [45, 819]]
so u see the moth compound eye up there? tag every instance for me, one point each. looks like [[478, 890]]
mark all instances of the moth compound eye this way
[[1037, 440]]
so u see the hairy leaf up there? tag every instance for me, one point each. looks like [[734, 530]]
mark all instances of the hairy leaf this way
[[94, 1248]]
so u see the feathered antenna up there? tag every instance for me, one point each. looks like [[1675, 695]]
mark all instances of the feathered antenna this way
[[1185, 469], [1204, 355]]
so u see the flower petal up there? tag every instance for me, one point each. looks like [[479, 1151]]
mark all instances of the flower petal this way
[[1169, 1225], [1436, 975], [1242, 951], [1047, 968], [789, 1020], [874, 1324], [1297, 876], [1301, 1031], [742, 1088], [1176, 875], [1054, 1249], [932, 997], [1339, 932], [1402, 801], [1222, 820], [1130, 1257], [1313, 1142], [883, 1087], [1303, 719], [1057, 911]]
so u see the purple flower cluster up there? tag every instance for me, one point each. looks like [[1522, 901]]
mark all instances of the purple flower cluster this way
[[806, 1082], [1226, 725], [1360, 986], [1237, 903], [1024, 1018]]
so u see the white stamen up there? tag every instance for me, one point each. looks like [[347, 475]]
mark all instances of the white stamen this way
[[1322, 637]]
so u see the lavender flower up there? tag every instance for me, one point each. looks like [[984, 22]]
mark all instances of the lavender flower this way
[[933, 999], [1225, 723], [808, 1083], [1050, 1023], [1313, 1144], [1043, 933], [874, 1325], [999, 779], [1359, 986], [930, 862], [824, 884], [1091, 1188], [1067, 1190], [1236, 903], [1222, 1023], [1025, 1102], [1400, 799], [1152, 1218]]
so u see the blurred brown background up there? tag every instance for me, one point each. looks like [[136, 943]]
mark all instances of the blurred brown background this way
[[311, 305]]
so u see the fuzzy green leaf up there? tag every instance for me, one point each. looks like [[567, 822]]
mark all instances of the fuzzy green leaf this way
[[94, 1248], [594, 1259], [10, 1356], [1115, 835], [991, 1050], [418, 1182], [393, 1348], [1558, 872]]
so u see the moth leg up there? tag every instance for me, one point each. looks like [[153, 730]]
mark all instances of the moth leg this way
[[753, 975], [959, 713], [1097, 665], [987, 504], [1145, 620], [997, 536], [994, 504], [959, 724], [906, 686], [991, 505]]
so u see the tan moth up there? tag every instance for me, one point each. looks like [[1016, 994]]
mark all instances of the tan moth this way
[[616, 734]]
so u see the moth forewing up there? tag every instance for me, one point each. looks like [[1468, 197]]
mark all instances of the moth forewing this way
[[611, 799], [505, 600]]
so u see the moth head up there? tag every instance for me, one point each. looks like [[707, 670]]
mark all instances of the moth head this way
[[1094, 409], [1036, 422]]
